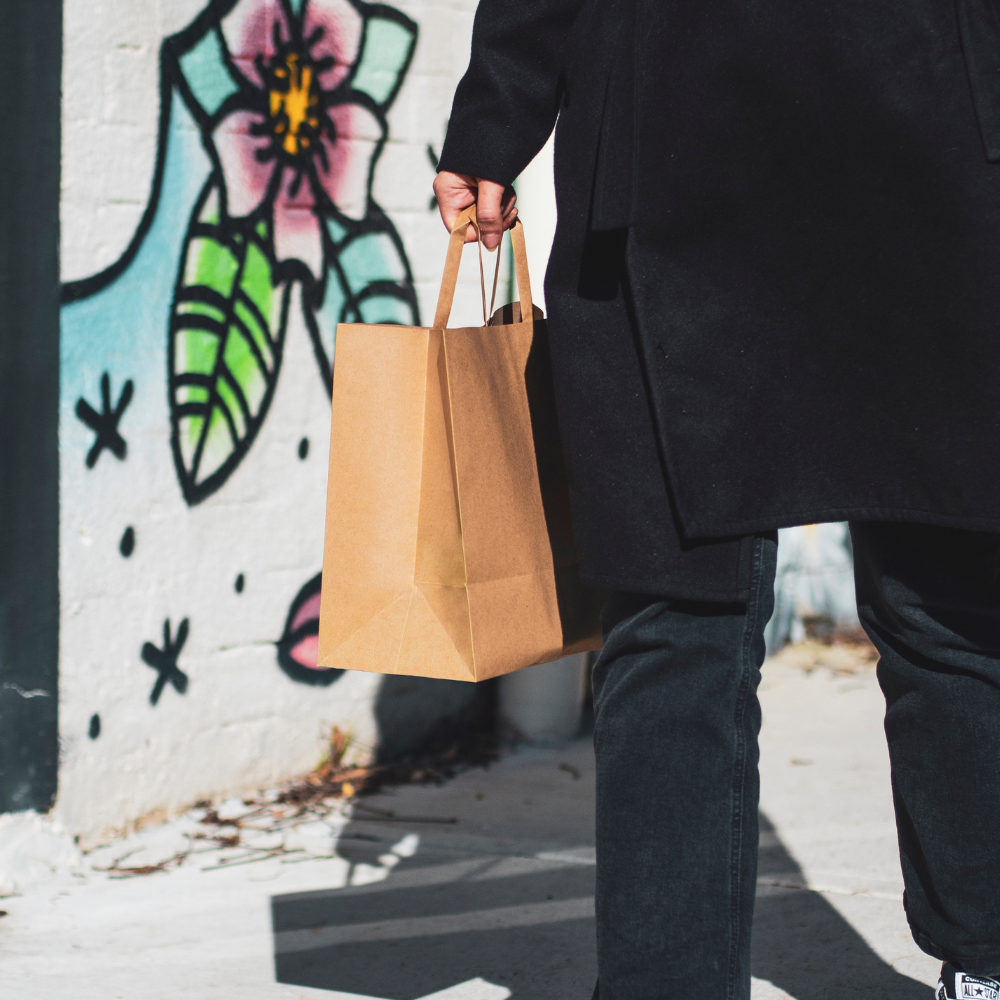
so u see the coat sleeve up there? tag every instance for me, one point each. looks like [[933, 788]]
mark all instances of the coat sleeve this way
[[506, 104]]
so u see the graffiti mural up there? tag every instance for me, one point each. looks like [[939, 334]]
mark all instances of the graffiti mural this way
[[238, 177], [260, 219], [292, 103], [290, 97]]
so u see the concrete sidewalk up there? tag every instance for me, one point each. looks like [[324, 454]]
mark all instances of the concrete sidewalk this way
[[482, 888]]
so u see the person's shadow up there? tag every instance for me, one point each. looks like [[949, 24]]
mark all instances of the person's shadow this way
[[442, 918], [805, 947]]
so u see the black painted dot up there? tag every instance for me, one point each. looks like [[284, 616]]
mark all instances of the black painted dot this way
[[240, 583], [95, 725], [303, 448], [127, 545]]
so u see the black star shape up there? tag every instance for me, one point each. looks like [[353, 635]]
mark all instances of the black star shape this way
[[105, 423], [164, 661]]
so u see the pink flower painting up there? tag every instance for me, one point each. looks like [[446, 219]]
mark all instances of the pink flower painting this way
[[297, 141]]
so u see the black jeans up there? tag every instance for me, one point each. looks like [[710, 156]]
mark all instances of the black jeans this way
[[929, 599], [677, 720]]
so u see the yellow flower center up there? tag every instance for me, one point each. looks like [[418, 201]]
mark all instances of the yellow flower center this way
[[293, 103]]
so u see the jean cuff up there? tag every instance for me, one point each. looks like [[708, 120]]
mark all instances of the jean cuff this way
[[978, 965]]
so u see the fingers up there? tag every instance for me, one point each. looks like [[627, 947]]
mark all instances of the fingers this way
[[495, 205], [454, 193], [508, 221], [507, 202], [490, 211]]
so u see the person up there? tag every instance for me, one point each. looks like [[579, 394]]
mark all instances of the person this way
[[774, 299]]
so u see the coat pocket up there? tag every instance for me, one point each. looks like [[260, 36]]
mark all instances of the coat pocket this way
[[614, 180], [979, 27]]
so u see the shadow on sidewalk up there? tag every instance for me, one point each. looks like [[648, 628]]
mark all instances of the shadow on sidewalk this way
[[440, 919], [805, 947], [526, 923]]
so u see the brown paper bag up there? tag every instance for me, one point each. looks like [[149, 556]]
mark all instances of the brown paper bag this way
[[449, 549]]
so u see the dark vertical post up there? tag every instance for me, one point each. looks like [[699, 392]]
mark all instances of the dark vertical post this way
[[30, 66]]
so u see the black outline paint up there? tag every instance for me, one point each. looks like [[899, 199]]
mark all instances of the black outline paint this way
[[433, 157]]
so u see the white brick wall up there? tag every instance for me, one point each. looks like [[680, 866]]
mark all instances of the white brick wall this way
[[242, 722]]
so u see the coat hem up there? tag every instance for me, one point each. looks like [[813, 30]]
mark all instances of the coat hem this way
[[699, 530], [661, 588]]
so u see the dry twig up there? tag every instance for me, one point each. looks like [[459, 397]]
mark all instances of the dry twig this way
[[116, 870]]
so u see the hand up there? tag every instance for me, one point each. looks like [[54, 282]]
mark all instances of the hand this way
[[494, 203]]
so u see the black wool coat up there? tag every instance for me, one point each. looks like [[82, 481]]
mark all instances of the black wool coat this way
[[774, 292]]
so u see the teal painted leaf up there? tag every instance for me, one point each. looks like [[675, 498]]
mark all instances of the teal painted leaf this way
[[385, 55], [368, 281], [204, 70], [227, 331]]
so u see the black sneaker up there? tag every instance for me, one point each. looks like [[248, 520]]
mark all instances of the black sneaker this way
[[957, 985]]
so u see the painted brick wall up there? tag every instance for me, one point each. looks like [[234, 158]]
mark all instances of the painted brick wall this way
[[201, 294]]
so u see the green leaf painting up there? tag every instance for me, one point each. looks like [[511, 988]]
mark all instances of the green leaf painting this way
[[226, 338]]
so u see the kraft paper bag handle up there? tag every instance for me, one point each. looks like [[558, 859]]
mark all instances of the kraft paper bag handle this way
[[453, 261]]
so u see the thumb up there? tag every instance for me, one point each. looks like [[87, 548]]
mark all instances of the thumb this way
[[489, 212]]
